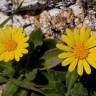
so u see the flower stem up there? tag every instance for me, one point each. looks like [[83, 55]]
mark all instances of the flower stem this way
[[71, 82], [69, 88]]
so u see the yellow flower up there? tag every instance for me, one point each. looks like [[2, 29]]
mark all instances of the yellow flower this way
[[79, 50], [12, 43]]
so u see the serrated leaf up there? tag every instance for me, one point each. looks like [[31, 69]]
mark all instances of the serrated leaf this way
[[51, 59], [36, 37], [10, 89], [7, 68], [28, 85], [79, 90], [31, 75], [50, 43]]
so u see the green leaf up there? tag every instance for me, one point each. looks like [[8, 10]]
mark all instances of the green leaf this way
[[36, 37], [79, 90], [3, 79], [71, 78], [94, 94], [28, 85], [22, 92], [31, 75], [50, 43], [10, 89], [70, 81], [34, 94], [7, 68], [51, 59], [55, 86]]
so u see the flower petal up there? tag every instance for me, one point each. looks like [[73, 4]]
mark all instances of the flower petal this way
[[91, 42], [76, 35], [80, 67], [2, 37], [73, 65], [8, 34], [92, 50], [91, 61], [86, 67], [65, 54], [84, 34], [66, 39], [63, 47], [70, 35], [68, 61]]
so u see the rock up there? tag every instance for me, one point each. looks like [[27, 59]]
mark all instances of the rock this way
[[77, 10], [54, 12], [3, 5], [94, 24], [27, 2], [87, 22]]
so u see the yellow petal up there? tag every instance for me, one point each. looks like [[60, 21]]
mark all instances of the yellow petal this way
[[14, 28], [25, 51], [65, 54], [91, 41], [2, 37], [92, 44], [73, 65], [17, 56], [14, 32], [25, 39], [6, 56], [68, 61], [92, 50], [2, 49], [80, 67], [63, 47], [23, 45], [11, 55], [20, 38], [20, 33], [76, 35], [70, 35], [91, 61], [67, 40], [82, 34], [86, 67], [92, 55], [8, 34]]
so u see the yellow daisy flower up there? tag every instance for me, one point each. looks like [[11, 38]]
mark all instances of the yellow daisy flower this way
[[12, 43], [79, 50]]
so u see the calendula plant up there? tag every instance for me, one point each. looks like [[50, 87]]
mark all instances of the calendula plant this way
[[34, 66], [79, 49]]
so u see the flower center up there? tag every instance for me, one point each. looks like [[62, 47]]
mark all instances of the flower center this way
[[80, 51], [10, 45]]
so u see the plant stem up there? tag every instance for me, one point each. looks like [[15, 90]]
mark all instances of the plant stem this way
[[69, 87], [70, 83]]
